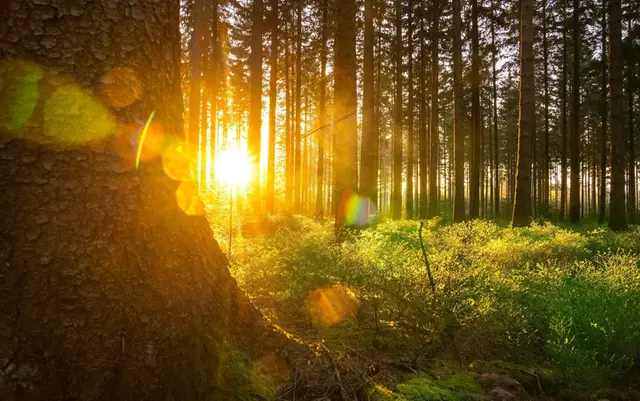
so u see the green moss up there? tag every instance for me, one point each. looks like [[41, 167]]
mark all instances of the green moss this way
[[459, 387]]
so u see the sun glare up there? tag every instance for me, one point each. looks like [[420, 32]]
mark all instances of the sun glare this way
[[233, 167]]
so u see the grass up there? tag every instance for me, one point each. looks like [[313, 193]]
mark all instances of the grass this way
[[561, 300]]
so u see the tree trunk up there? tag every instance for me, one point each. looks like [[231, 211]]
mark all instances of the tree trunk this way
[[423, 143], [433, 126], [522, 202], [410, 161], [273, 99], [110, 290], [458, 116], [255, 109], [574, 201], [476, 126], [631, 71], [297, 185], [496, 152], [546, 151], [563, 111], [603, 124], [345, 107], [369, 151], [396, 192], [617, 213], [323, 109]]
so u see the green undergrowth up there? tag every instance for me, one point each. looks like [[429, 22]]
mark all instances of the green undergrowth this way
[[566, 299]]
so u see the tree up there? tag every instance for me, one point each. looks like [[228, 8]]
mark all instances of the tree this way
[[603, 124], [323, 109], [496, 152], [617, 213], [297, 146], [255, 110], [546, 155], [106, 241], [396, 201], [369, 151], [458, 143], [433, 125], [410, 106], [631, 70], [574, 202], [476, 129], [522, 203], [423, 143], [345, 176], [563, 111], [273, 99]]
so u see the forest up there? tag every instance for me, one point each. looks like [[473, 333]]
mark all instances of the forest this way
[[387, 200]]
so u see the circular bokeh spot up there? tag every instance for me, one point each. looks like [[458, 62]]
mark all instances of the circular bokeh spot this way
[[19, 92], [331, 306], [188, 199], [121, 87], [179, 161]]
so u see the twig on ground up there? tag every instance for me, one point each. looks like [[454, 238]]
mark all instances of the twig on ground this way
[[426, 258]]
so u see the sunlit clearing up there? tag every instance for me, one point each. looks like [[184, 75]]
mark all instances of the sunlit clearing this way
[[19, 92], [356, 210], [330, 306], [233, 167], [188, 199], [179, 161], [121, 87]]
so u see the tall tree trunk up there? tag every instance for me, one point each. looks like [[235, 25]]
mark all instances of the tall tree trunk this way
[[396, 193], [522, 202], [323, 109], [433, 125], [496, 144], [214, 81], [617, 213], [423, 143], [603, 122], [631, 71], [546, 151], [109, 290], [345, 107], [288, 115], [297, 185], [458, 116], [369, 151], [273, 106], [196, 72], [476, 126], [563, 111], [255, 109], [574, 202], [410, 105]]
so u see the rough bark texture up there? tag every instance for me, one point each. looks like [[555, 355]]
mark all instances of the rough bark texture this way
[[396, 192], [522, 202], [423, 141], [458, 116], [345, 175], [410, 106], [574, 201], [603, 124], [433, 126], [369, 151], [109, 291], [322, 114], [617, 213], [273, 99], [476, 135], [255, 109]]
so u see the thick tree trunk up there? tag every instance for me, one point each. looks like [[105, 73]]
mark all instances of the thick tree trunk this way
[[423, 141], [322, 109], [108, 289], [345, 147], [254, 140], [617, 213], [396, 192], [546, 151], [522, 202], [563, 117], [297, 177], [410, 104], [273, 106], [603, 124], [458, 116], [574, 201], [496, 152], [631, 74], [433, 125], [369, 150], [476, 124]]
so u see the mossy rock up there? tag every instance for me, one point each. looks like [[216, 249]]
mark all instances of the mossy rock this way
[[532, 378]]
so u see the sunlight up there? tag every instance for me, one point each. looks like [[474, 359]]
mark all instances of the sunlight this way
[[233, 167]]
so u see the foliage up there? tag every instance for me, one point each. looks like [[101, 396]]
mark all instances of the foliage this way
[[545, 296]]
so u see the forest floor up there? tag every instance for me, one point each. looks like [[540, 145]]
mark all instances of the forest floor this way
[[548, 312]]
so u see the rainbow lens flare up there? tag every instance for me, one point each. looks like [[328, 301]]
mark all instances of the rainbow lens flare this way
[[356, 210]]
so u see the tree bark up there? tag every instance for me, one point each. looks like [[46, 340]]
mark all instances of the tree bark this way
[[631, 201], [423, 141], [396, 193], [546, 151], [410, 105], [109, 290], [345, 173], [496, 152], [476, 126], [297, 184], [273, 106], [255, 109], [603, 122], [369, 150], [322, 109], [617, 213], [522, 202], [574, 201], [563, 111], [433, 125], [458, 116]]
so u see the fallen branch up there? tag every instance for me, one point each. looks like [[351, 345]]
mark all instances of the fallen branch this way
[[426, 258], [343, 392]]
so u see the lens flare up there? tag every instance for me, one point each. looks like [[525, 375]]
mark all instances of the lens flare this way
[[331, 306], [179, 161], [143, 135], [121, 87], [19, 92], [356, 210], [189, 200]]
